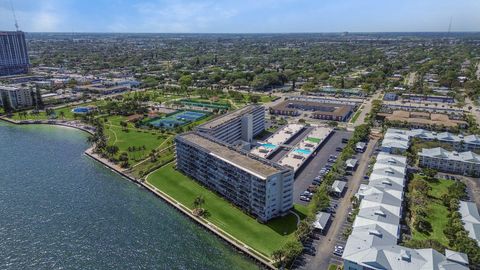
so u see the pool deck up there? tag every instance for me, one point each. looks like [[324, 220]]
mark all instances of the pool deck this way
[[302, 151], [277, 139]]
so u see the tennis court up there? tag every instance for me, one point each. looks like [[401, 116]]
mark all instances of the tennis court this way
[[177, 119]]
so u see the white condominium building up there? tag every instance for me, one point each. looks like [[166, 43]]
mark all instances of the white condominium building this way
[[258, 186], [241, 124], [373, 243], [17, 97], [466, 163]]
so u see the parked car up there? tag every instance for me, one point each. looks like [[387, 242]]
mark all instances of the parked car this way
[[309, 251], [307, 193], [366, 177], [304, 198], [338, 252]]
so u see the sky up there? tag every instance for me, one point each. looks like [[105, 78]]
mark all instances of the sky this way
[[241, 16]]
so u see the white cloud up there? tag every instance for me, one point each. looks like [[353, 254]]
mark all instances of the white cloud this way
[[41, 16]]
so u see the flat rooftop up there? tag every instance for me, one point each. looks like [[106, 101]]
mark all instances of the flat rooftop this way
[[264, 149], [8, 88], [316, 107], [233, 157], [302, 151], [227, 117], [422, 118]]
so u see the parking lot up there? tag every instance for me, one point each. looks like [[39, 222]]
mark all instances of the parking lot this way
[[306, 260], [311, 170], [323, 251]]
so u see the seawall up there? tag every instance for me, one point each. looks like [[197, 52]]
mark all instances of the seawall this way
[[259, 258]]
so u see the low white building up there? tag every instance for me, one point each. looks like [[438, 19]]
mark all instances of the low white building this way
[[471, 219], [373, 243], [465, 163], [396, 141]]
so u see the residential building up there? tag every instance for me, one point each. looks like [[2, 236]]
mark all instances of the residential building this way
[[18, 97], [390, 96], [426, 98], [306, 148], [318, 110], [422, 119], [241, 124], [459, 141], [396, 141], [470, 219], [465, 163], [258, 186], [13, 53], [373, 243]]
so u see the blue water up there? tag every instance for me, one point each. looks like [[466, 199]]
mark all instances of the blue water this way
[[81, 110], [61, 210], [269, 145], [303, 151]]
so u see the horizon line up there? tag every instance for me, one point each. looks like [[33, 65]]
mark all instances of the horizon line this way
[[239, 33]]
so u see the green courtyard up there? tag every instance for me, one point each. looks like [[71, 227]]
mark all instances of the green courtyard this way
[[437, 213], [264, 238]]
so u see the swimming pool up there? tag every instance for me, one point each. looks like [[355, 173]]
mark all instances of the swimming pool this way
[[82, 110], [303, 151], [269, 145]]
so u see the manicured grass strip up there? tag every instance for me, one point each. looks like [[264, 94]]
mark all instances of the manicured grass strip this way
[[265, 238], [332, 267], [314, 140], [355, 117]]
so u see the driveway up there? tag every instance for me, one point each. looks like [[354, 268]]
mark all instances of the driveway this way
[[367, 107], [324, 255], [306, 175]]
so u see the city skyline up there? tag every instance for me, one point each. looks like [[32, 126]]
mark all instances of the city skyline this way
[[266, 16]]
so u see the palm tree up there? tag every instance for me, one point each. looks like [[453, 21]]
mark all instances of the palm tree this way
[[62, 115], [197, 203]]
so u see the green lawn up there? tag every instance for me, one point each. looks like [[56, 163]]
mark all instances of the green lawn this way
[[67, 111], [440, 188], [132, 137], [42, 116], [437, 212], [437, 216], [265, 238], [332, 267], [357, 114]]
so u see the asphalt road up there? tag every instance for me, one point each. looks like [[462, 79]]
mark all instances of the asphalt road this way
[[310, 170], [325, 246]]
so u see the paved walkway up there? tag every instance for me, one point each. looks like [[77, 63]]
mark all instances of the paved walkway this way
[[473, 188], [322, 258], [367, 107]]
